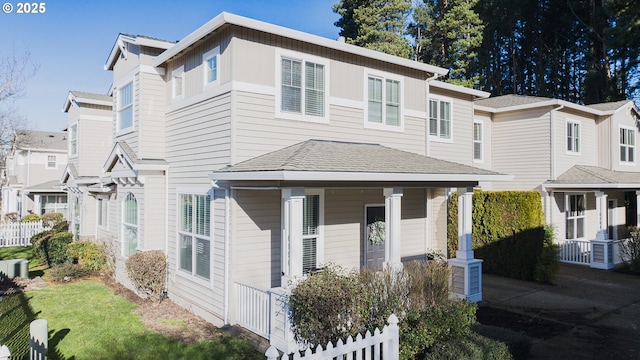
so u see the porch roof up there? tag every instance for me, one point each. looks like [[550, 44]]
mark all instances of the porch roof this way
[[594, 177], [53, 186], [315, 160]]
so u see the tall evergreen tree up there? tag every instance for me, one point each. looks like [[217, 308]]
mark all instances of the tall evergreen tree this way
[[375, 24]]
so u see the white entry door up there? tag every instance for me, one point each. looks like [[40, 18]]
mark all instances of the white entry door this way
[[374, 236]]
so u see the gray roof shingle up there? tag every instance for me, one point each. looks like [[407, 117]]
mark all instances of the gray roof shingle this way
[[593, 175], [510, 100], [31, 139], [608, 106], [92, 96]]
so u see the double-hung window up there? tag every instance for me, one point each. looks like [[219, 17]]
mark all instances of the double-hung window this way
[[573, 137], [51, 162], [576, 216], [125, 107], [103, 211], [440, 118], [627, 145], [384, 101], [194, 235], [73, 140], [211, 65], [477, 141], [177, 80], [130, 225], [303, 87]]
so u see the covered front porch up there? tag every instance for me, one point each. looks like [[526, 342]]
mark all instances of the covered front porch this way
[[591, 209], [319, 202]]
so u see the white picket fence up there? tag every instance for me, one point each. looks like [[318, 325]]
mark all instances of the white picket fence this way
[[39, 341], [19, 234], [381, 345]]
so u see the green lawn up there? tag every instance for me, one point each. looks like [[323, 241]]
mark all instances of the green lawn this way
[[87, 321]]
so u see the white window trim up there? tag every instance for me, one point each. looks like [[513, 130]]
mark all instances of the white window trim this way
[[205, 58], [123, 223], [177, 73], [183, 273], [567, 209], [72, 140], [566, 137], [384, 76], [635, 146], [437, 138], [481, 159], [320, 236], [104, 199], [47, 162], [280, 53], [122, 131]]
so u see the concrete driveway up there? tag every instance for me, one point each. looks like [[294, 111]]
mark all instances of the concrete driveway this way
[[589, 313]]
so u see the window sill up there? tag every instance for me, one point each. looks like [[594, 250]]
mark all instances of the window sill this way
[[440, 140], [383, 127], [194, 279], [299, 117], [124, 131]]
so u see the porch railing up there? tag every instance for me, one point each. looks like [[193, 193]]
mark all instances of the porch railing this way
[[575, 251], [601, 254]]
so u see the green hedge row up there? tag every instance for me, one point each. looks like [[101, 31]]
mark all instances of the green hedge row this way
[[508, 234]]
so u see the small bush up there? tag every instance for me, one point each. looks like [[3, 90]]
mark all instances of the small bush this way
[[67, 272], [327, 306], [148, 271], [548, 264], [57, 248], [420, 330], [31, 218], [630, 249], [39, 243], [52, 219], [11, 217], [518, 343], [89, 255], [469, 347]]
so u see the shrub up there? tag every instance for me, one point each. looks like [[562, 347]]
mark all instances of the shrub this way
[[327, 306], [39, 243], [31, 218], [57, 248], [548, 264], [148, 271], [518, 343], [469, 347], [630, 249], [11, 217], [89, 255], [67, 272], [52, 219]]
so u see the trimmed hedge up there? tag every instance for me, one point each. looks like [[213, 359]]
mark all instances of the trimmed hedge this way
[[508, 234], [51, 246], [469, 347]]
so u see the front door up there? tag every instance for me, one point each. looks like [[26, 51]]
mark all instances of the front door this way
[[374, 236]]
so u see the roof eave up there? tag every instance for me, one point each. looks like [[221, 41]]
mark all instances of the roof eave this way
[[591, 186], [227, 18], [287, 175], [460, 89]]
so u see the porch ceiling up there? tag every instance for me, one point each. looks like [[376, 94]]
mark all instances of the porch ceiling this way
[[593, 177], [320, 160]]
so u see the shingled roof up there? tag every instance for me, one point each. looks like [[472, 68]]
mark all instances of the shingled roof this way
[[595, 177], [350, 161]]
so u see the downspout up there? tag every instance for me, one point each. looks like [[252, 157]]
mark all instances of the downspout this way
[[28, 182], [166, 227], [227, 233], [427, 142]]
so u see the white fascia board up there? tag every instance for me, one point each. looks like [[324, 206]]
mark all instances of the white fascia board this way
[[460, 89], [70, 101], [550, 102], [590, 186], [351, 176], [227, 18], [142, 41]]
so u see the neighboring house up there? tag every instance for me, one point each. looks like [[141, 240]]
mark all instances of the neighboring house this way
[[33, 168], [582, 159], [90, 138], [249, 174]]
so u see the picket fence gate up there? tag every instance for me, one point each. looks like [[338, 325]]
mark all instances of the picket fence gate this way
[[381, 345], [19, 234], [39, 343]]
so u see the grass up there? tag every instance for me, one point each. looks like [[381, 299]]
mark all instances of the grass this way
[[87, 321]]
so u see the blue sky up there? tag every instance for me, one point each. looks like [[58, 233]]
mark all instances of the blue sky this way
[[72, 39]]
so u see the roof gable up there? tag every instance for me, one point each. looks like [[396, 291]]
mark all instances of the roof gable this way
[[76, 98], [119, 47]]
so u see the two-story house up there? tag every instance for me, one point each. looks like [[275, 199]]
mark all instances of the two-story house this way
[[32, 173], [90, 139], [253, 154], [582, 159]]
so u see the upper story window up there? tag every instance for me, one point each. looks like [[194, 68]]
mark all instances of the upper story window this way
[[177, 80], [477, 141], [125, 107], [383, 101], [627, 144], [211, 63], [303, 81], [73, 140], [440, 118], [52, 162], [194, 235], [573, 137]]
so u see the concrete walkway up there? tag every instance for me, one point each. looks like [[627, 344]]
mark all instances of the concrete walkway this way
[[599, 311]]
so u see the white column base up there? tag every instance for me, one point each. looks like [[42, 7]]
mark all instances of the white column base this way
[[466, 279], [602, 256]]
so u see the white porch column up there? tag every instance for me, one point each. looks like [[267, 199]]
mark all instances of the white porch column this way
[[392, 212], [601, 213], [291, 242], [466, 272], [36, 205], [547, 207]]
